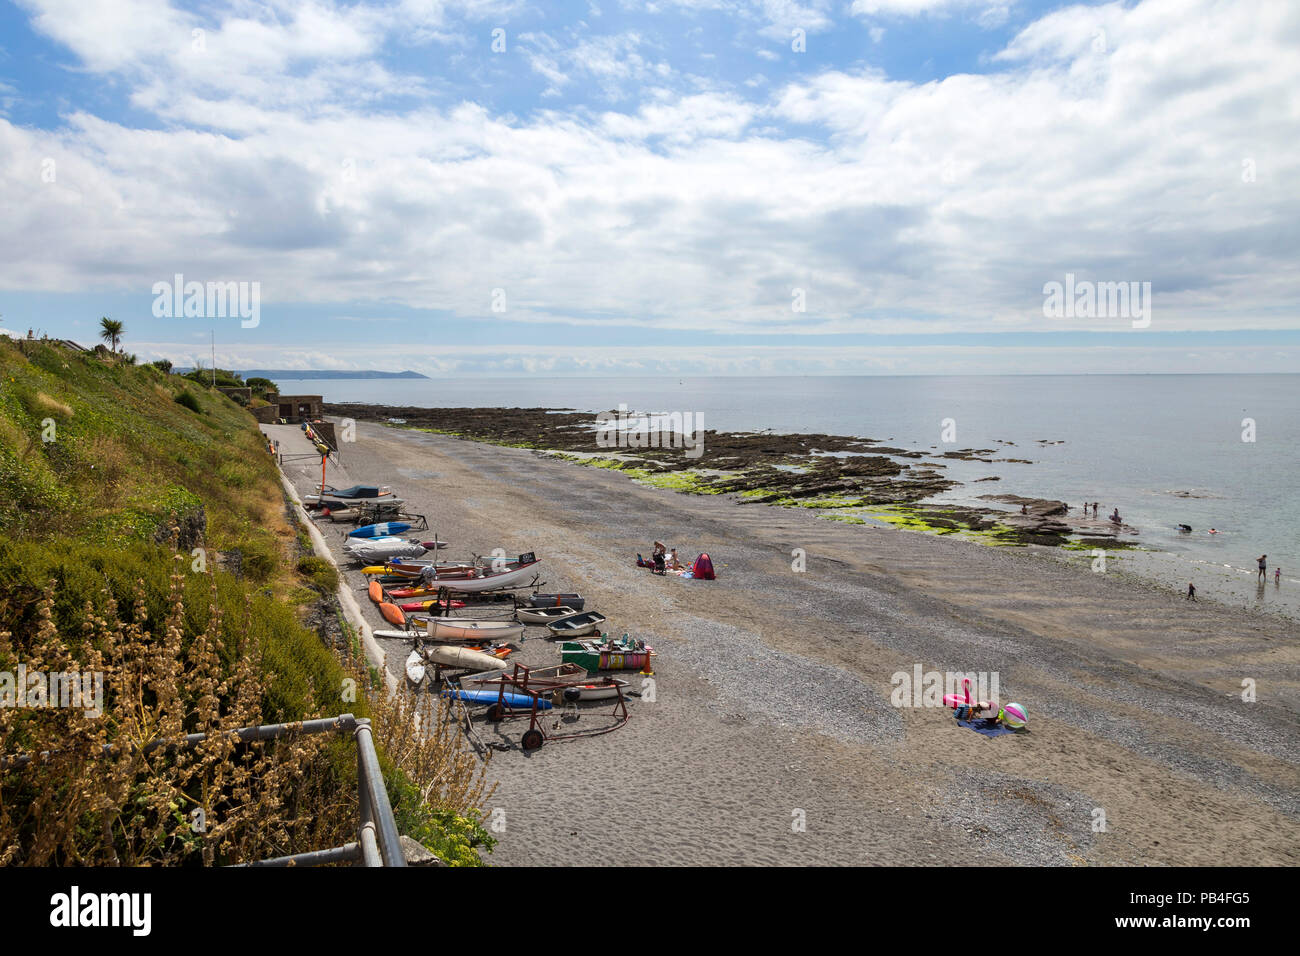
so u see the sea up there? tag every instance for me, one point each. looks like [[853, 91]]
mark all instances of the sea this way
[[1208, 451]]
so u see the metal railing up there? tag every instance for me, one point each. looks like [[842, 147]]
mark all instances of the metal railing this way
[[378, 842]]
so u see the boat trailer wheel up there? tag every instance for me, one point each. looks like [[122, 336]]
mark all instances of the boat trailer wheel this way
[[496, 712], [532, 739]]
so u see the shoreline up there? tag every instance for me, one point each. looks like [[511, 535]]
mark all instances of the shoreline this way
[[774, 686], [856, 481]]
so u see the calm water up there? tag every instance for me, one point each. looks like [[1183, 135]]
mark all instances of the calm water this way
[[1130, 441]]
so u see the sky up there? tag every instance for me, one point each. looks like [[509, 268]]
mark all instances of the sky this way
[[466, 187]]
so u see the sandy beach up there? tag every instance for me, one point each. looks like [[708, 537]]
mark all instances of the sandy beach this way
[[772, 738]]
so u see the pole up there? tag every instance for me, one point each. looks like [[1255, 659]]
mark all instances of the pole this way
[[214, 358]]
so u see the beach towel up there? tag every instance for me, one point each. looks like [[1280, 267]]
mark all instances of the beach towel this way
[[988, 727], [702, 570]]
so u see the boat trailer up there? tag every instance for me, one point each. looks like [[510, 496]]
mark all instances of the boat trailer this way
[[521, 681]]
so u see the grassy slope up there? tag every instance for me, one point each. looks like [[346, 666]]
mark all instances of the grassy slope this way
[[91, 509]]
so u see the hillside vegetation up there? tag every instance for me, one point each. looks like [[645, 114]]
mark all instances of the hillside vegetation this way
[[143, 536]]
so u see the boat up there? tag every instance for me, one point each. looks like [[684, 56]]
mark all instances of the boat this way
[[356, 491], [620, 655], [394, 614], [606, 688], [565, 683], [544, 615], [382, 530], [406, 577], [459, 658], [336, 505], [460, 629], [415, 667], [574, 683], [375, 551], [577, 625], [515, 575], [522, 701], [575, 601]]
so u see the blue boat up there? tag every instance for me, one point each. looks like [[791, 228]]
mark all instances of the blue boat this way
[[381, 530], [522, 701]]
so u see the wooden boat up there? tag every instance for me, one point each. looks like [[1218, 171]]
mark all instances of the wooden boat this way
[[577, 625], [575, 601], [459, 629], [544, 615], [621, 655]]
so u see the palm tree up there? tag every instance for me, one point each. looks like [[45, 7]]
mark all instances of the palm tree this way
[[110, 330]]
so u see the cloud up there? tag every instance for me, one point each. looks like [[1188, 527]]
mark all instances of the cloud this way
[[1163, 154]]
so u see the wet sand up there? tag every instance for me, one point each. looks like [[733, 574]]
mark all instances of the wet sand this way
[[772, 739]]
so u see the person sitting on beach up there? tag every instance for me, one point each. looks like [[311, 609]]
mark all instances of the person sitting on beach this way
[[658, 556], [673, 563]]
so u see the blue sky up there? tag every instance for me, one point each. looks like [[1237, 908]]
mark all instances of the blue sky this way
[[658, 187]]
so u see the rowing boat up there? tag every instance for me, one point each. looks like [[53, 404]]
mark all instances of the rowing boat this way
[[575, 601], [478, 580], [458, 629], [577, 625], [544, 615]]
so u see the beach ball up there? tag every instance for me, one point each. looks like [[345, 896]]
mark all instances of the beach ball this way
[[1014, 716]]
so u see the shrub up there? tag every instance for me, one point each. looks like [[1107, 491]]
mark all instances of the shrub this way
[[189, 401], [319, 572]]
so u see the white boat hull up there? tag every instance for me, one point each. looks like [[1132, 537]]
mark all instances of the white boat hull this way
[[490, 582], [453, 629]]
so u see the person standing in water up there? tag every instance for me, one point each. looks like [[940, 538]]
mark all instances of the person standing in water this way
[[1277, 577], [1263, 566]]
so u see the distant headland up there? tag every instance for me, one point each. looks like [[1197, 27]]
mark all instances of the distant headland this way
[[299, 374]]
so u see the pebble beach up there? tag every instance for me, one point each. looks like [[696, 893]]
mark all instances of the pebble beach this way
[[772, 738]]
